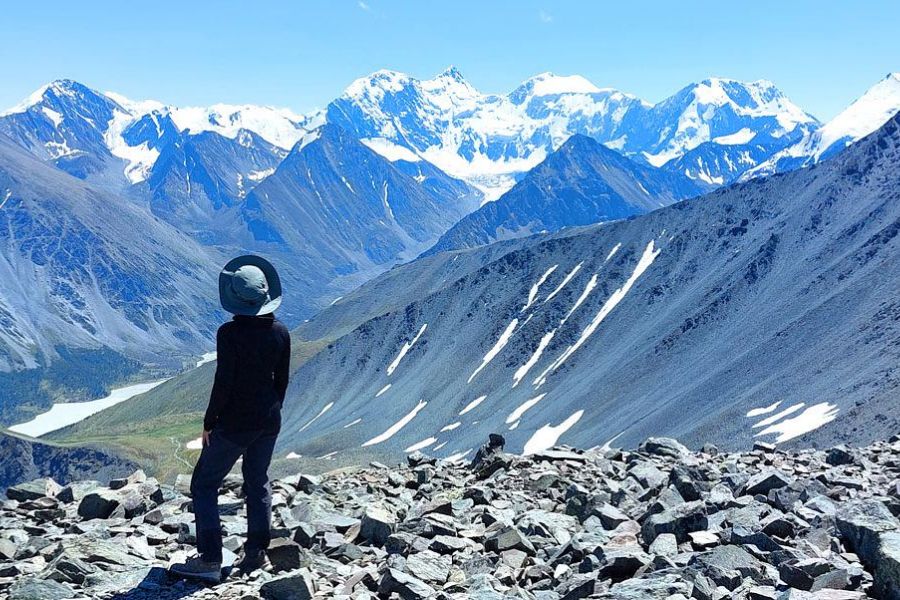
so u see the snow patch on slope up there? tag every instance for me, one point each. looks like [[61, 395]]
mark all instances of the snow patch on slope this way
[[547, 436], [393, 429]]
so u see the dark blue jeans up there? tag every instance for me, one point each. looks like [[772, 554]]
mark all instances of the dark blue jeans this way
[[216, 460]]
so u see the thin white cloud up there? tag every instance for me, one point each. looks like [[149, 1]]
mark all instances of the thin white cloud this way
[[364, 6], [545, 17]]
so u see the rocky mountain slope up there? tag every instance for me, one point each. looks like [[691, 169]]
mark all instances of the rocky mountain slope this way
[[582, 183], [659, 522], [337, 213], [762, 310], [25, 459], [89, 277]]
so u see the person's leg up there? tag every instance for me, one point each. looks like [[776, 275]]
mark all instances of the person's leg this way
[[216, 460], [257, 491]]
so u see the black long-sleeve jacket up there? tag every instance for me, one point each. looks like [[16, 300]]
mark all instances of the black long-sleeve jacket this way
[[253, 362]]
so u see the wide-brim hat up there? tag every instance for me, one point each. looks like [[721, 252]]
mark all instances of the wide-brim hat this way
[[249, 285]]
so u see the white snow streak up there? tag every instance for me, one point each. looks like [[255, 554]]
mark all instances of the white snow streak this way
[[565, 280], [613, 252], [588, 288], [533, 292], [397, 426], [777, 417], [645, 261], [607, 445], [451, 426], [458, 456], [547, 436], [419, 445], [504, 339], [472, 405], [810, 419], [403, 350], [517, 414], [293, 455], [321, 412], [205, 358], [195, 444], [756, 412], [352, 423], [383, 390], [522, 371]]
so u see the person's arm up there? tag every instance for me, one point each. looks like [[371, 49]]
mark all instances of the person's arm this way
[[221, 390], [283, 368]]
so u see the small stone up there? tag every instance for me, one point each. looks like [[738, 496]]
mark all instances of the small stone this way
[[32, 490], [376, 525], [665, 544], [429, 566], [663, 446], [298, 586], [762, 483], [284, 554], [404, 585]]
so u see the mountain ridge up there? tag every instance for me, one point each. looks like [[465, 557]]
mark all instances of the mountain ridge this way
[[581, 183]]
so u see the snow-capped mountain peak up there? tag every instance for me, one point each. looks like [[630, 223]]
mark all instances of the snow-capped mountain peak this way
[[719, 110], [550, 84], [55, 92], [866, 114], [375, 85]]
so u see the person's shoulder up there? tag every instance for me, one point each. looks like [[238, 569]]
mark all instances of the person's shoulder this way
[[225, 327], [280, 327]]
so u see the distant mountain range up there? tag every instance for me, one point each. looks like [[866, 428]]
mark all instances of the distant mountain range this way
[[117, 214], [719, 128]]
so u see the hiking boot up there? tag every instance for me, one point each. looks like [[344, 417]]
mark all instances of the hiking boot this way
[[251, 560], [199, 569]]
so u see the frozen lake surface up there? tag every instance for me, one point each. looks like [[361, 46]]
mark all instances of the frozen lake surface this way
[[67, 413]]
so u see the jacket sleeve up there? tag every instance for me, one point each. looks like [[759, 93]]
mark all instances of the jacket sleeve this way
[[222, 386], [283, 368]]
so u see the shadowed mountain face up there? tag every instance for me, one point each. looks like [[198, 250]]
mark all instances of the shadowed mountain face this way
[[336, 214], [582, 183], [83, 268], [132, 277], [24, 460], [778, 295], [94, 289]]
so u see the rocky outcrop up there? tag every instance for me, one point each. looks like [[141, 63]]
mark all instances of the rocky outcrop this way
[[659, 522]]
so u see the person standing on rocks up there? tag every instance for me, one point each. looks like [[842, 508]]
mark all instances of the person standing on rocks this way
[[244, 414]]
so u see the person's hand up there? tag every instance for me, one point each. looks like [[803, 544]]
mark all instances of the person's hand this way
[[205, 438]]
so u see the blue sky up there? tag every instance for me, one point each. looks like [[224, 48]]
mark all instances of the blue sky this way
[[302, 54]]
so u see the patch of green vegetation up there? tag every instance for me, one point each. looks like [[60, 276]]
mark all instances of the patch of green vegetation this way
[[153, 428]]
